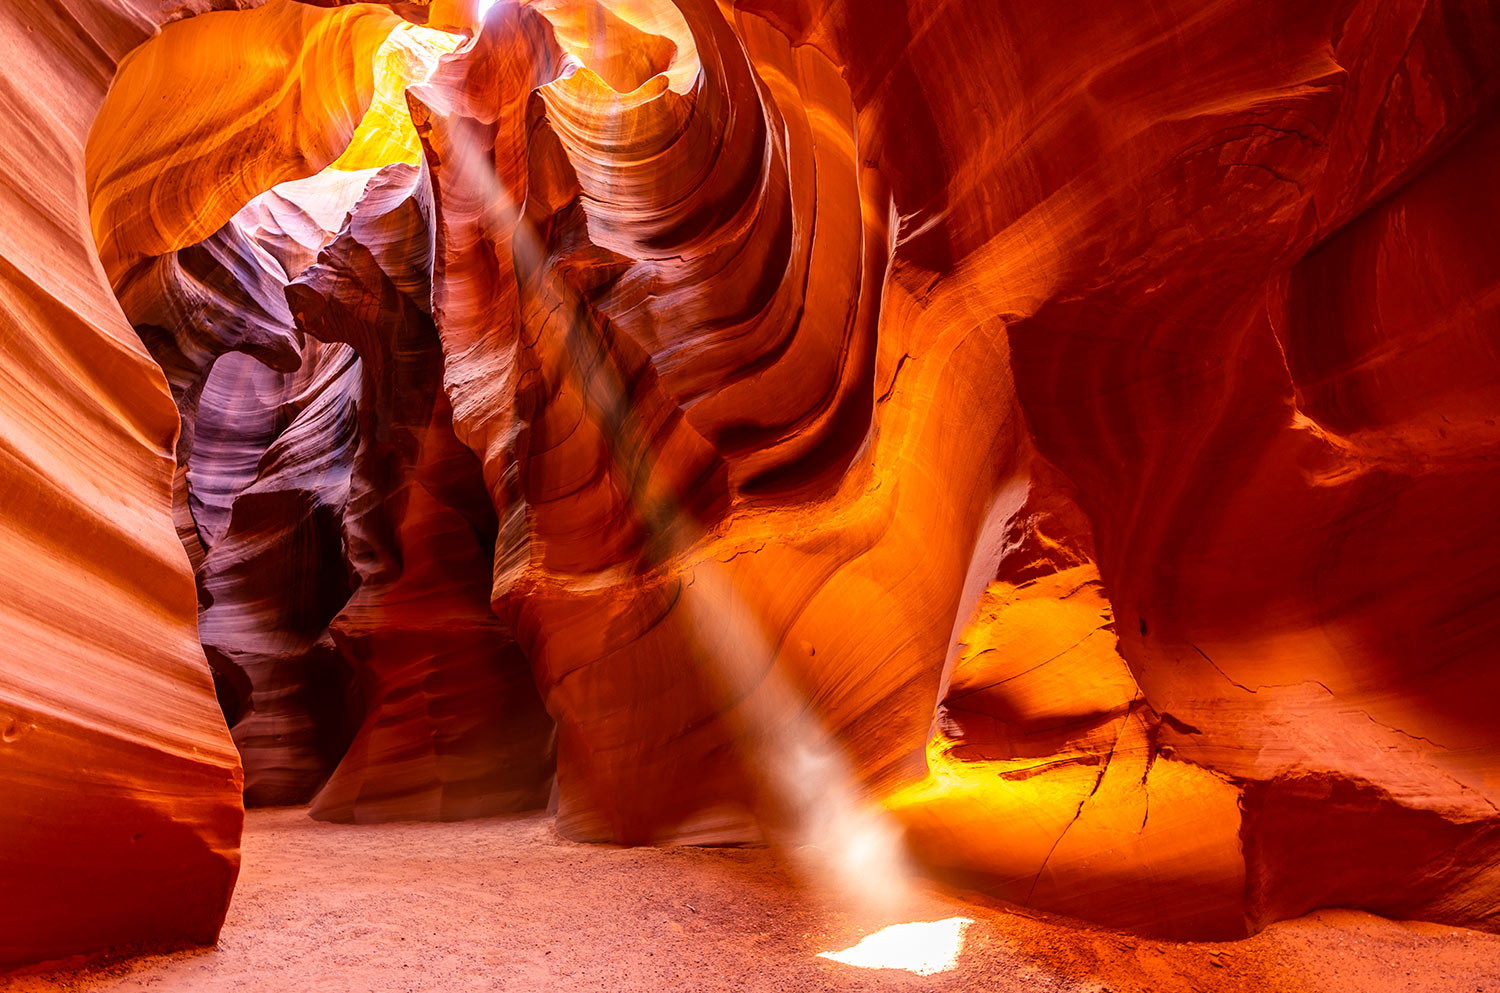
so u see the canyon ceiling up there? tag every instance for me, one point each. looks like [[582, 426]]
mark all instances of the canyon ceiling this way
[[1083, 415]]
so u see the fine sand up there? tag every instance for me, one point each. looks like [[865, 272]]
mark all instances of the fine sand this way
[[504, 904]]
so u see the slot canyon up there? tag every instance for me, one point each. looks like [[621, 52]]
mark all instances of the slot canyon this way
[[710, 495]]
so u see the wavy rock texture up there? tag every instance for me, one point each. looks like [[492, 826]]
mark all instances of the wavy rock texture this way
[[341, 533], [852, 348], [453, 727], [122, 809], [121, 813], [1084, 417], [286, 100], [1257, 550]]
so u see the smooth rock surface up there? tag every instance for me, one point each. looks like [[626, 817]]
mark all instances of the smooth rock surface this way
[[1069, 430]]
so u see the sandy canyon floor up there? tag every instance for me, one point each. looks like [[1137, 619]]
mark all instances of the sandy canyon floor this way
[[504, 904]]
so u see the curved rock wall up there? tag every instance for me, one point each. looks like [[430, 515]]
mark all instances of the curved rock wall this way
[[1271, 552], [1083, 416], [120, 818], [1093, 382], [121, 814]]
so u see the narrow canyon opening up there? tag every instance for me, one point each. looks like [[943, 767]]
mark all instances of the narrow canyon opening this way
[[341, 535]]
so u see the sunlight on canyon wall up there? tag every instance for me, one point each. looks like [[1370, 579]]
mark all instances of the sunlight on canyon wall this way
[[1046, 449]]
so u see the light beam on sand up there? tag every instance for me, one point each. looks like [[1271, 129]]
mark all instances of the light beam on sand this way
[[923, 947], [847, 846]]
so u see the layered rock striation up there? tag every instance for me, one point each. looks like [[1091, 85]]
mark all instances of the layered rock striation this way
[[1081, 419]]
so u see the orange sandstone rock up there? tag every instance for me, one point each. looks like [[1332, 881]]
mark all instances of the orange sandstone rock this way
[[1082, 417], [120, 806]]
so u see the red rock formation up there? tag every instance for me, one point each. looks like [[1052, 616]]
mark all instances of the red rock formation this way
[[273, 582], [1082, 415], [1264, 563], [453, 727], [1123, 243], [121, 813]]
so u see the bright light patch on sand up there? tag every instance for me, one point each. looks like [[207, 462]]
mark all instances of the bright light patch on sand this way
[[923, 947]]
